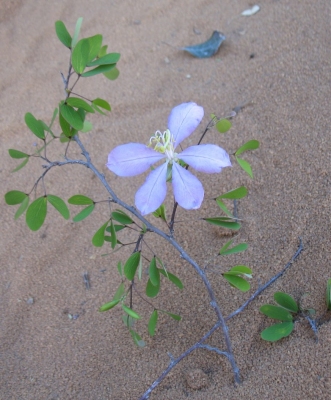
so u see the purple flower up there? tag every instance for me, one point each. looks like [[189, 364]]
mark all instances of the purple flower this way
[[135, 158]]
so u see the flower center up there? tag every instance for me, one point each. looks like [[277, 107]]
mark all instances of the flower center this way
[[164, 143]]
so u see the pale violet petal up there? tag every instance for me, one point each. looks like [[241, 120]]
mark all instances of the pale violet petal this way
[[132, 159], [151, 194], [188, 190], [183, 120], [207, 158]]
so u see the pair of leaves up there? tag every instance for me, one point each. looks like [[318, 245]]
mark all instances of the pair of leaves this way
[[36, 212], [81, 200], [225, 250], [161, 213], [250, 145], [235, 277], [283, 313]]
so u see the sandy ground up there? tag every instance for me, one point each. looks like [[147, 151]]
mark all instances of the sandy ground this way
[[279, 61]]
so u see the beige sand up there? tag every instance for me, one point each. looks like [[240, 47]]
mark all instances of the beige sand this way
[[44, 354]]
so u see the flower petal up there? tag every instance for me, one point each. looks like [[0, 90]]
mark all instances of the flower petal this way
[[188, 190], [152, 193], [207, 158], [183, 120], [132, 159]]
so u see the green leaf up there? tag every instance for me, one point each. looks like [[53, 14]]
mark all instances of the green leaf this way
[[235, 249], [276, 312], [277, 331], [119, 292], [250, 145], [109, 305], [137, 338], [152, 290], [17, 154], [121, 217], [63, 34], [71, 116], [77, 31], [173, 316], [112, 74], [87, 127], [152, 323], [84, 213], [15, 197], [328, 294], [237, 282], [101, 103], [65, 126], [117, 228], [223, 125], [94, 43], [60, 205], [245, 166], [80, 56], [20, 166], [160, 213], [240, 270], [131, 265], [223, 207], [35, 126], [22, 207], [237, 194], [113, 235], [130, 312], [103, 51], [80, 200], [173, 278], [128, 321], [286, 301], [140, 268], [79, 103], [119, 268], [223, 222], [98, 70], [99, 237], [111, 58], [154, 273], [36, 213]]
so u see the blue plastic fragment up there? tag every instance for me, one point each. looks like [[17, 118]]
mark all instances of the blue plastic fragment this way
[[208, 48]]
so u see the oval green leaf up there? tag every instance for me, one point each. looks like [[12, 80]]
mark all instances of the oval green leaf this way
[[23, 164], [111, 58], [245, 166], [173, 316], [84, 213], [154, 274], [36, 213], [277, 331], [17, 154], [35, 126], [63, 34], [241, 270], [15, 197], [113, 237], [22, 207], [152, 323], [98, 70], [224, 223], [72, 116], [130, 312], [235, 249], [152, 290], [172, 278], [112, 74], [131, 265], [79, 103], [286, 301], [60, 205], [237, 282], [223, 125], [109, 305], [99, 237], [234, 194], [250, 145], [276, 312], [80, 200], [77, 31], [94, 43], [119, 292], [80, 56], [121, 217], [102, 103]]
